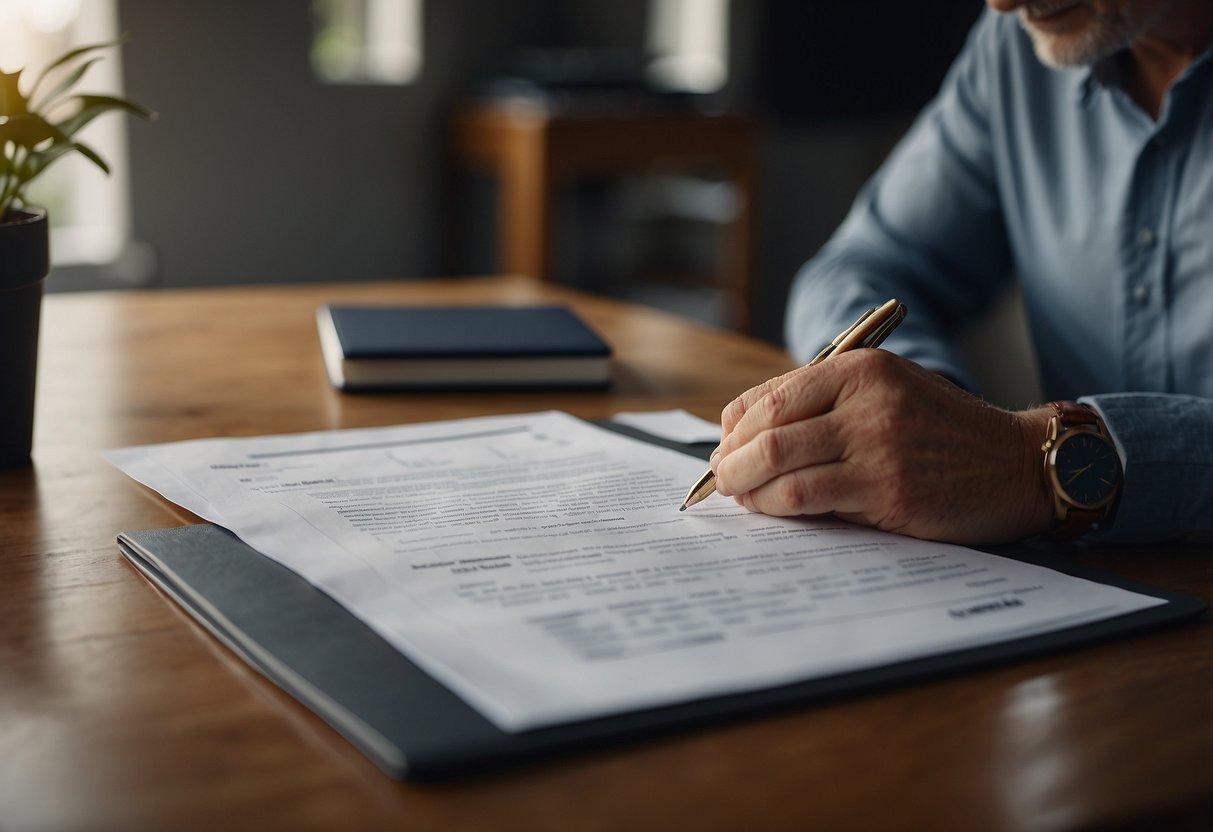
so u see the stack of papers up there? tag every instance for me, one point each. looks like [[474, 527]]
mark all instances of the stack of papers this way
[[538, 566]]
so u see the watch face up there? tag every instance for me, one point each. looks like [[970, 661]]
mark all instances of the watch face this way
[[1087, 469]]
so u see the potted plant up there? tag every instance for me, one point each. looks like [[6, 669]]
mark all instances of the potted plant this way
[[37, 126]]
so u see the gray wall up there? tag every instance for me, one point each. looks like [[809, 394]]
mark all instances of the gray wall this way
[[255, 171]]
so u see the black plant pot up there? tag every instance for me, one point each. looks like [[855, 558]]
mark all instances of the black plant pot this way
[[24, 265]]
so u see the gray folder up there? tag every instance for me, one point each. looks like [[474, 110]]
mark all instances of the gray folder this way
[[413, 727]]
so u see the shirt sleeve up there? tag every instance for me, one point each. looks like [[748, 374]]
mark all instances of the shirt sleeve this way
[[926, 229], [1166, 444]]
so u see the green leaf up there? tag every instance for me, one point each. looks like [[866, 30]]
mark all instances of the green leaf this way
[[94, 105], [12, 102], [39, 159], [29, 130], [63, 86], [91, 155], [71, 56]]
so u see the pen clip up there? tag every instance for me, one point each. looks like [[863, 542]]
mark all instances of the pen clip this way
[[876, 338], [876, 327], [829, 348]]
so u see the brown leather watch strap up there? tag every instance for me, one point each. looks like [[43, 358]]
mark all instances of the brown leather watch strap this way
[[1075, 524], [1073, 413]]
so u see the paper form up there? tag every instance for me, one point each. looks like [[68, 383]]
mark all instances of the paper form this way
[[539, 567], [675, 425]]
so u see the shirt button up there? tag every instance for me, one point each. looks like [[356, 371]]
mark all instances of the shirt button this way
[[1146, 237], [1141, 292]]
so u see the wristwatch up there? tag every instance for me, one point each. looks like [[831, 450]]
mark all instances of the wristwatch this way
[[1081, 467]]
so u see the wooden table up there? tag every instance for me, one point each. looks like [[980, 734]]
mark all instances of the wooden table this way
[[118, 712]]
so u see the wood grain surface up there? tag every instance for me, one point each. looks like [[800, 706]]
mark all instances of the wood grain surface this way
[[118, 712]]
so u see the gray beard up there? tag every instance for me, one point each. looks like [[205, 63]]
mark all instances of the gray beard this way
[[1105, 35]]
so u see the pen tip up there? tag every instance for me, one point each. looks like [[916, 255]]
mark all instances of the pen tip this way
[[683, 507]]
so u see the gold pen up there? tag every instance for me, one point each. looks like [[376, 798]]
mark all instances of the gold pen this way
[[869, 331]]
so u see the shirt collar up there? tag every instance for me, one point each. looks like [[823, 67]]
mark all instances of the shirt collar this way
[[1106, 73]]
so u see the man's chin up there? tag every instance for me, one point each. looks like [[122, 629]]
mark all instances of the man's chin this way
[[1082, 47], [1060, 52], [1079, 35]]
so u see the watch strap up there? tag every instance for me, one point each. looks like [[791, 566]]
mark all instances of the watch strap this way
[[1073, 413], [1075, 524]]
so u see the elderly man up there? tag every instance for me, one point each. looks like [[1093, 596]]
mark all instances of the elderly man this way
[[1070, 147]]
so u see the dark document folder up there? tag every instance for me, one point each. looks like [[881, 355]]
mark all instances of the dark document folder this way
[[456, 347], [413, 727]]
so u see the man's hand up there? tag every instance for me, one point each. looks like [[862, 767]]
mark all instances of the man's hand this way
[[875, 439]]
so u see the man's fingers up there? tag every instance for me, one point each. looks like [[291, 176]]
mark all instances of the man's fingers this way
[[801, 394], [736, 409], [779, 450], [822, 489]]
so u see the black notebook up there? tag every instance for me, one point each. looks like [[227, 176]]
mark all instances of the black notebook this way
[[452, 347], [415, 728]]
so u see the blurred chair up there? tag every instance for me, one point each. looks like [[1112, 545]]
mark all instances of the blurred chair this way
[[536, 150]]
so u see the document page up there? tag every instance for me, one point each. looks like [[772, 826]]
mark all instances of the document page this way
[[538, 566], [675, 425]]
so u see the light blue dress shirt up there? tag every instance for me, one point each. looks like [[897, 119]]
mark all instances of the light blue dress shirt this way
[[1058, 179]]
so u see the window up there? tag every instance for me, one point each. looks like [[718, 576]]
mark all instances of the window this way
[[689, 43], [367, 41], [89, 211]]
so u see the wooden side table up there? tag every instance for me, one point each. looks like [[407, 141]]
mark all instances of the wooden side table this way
[[535, 152]]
